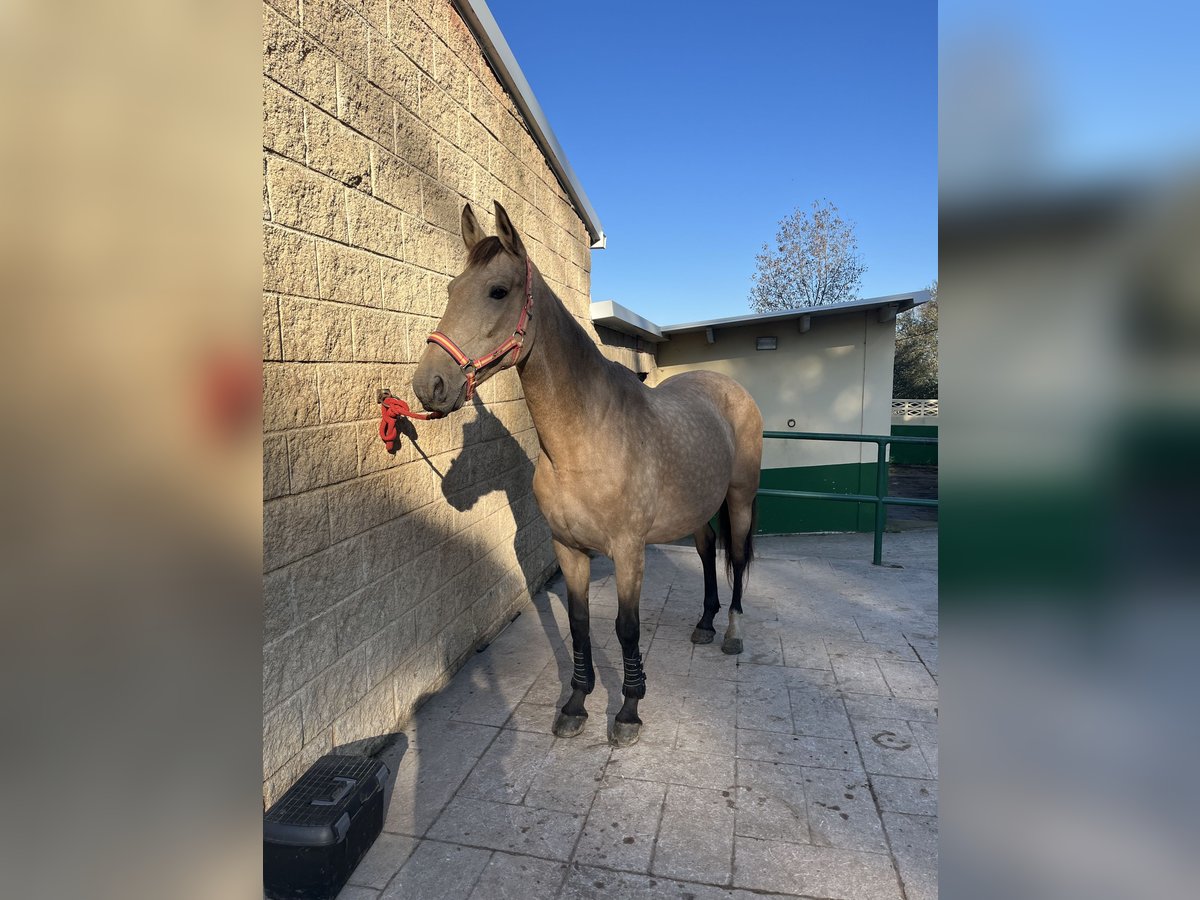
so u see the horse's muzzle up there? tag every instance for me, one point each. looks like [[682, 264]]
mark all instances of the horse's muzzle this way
[[439, 384]]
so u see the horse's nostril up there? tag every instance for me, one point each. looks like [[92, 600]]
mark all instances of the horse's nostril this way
[[439, 389]]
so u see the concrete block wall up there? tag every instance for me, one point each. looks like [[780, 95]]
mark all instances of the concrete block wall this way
[[380, 119]]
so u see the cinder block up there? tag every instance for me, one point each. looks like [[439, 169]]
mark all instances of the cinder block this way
[[394, 73], [282, 735], [293, 527], [317, 583], [297, 62], [368, 723], [314, 330], [415, 142], [456, 170], [380, 336], [272, 346], [338, 151], [295, 659], [339, 28], [302, 199], [406, 289], [397, 183], [289, 397], [347, 392], [275, 786], [283, 121], [289, 262], [412, 35], [375, 226], [365, 108], [275, 467], [349, 275], [322, 456]]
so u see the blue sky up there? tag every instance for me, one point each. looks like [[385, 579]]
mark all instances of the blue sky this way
[[695, 127]]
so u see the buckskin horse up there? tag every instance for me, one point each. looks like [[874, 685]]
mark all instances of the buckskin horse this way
[[622, 465]]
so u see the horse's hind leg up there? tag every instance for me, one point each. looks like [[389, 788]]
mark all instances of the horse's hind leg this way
[[576, 567], [706, 546], [630, 564], [740, 550]]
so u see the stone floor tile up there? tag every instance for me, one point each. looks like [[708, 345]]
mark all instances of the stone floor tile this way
[[841, 811], [889, 747], [926, 734], [669, 658], [357, 892], [798, 750], [716, 737], [748, 673], [424, 784], [860, 675], [589, 883], [515, 829], [814, 871], [666, 766], [909, 679], [819, 714], [438, 871], [709, 662], [764, 648], [764, 707], [896, 651], [383, 860], [440, 736], [510, 877], [771, 802], [569, 775], [915, 796], [810, 679], [914, 842], [869, 706], [509, 766], [621, 826], [695, 839], [805, 653], [535, 717]]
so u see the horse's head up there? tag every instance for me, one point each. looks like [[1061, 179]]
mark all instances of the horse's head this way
[[484, 310]]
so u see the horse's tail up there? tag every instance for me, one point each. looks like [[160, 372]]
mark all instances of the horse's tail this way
[[726, 539]]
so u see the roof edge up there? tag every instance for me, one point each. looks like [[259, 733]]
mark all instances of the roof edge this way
[[902, 302], [495, 47], [611, 314]]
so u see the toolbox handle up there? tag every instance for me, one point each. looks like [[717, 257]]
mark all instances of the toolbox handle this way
[[345, 785]]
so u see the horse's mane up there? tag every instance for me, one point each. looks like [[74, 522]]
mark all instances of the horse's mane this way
[[485, 251]]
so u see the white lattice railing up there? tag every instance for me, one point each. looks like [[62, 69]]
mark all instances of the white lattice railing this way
[[915, 408]]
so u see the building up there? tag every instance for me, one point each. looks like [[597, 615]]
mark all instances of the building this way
[[825, 369]]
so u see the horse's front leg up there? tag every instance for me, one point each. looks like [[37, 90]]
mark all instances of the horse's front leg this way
[[630, 565], [576, 567]]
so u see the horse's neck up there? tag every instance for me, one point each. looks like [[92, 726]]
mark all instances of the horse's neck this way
[[564, 378]]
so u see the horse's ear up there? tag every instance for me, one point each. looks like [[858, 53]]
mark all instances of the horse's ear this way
[[507, 234], [471, 232]]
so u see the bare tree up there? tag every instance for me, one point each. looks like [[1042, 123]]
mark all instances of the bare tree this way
[[814, 261]]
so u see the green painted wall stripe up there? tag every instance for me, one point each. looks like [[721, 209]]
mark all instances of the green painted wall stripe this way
[[780, 515], [915, 454]]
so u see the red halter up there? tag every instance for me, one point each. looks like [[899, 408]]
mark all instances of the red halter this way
[[513, 345]]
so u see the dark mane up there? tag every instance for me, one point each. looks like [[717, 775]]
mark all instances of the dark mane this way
[[485, 251]]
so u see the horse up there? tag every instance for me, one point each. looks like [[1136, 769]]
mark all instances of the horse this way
[[621, 464]]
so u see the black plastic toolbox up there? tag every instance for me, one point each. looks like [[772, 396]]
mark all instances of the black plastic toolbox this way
[[318, 831]]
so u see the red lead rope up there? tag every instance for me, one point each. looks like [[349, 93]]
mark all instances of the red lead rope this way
[[395, 409]]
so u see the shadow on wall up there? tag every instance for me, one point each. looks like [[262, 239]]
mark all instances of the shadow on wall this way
[[463, 716]]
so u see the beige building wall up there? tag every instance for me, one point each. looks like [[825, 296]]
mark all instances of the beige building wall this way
[[380, 119], [837, 377]]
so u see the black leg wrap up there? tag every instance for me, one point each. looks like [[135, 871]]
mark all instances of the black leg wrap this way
[[635, 677], [583, 677]]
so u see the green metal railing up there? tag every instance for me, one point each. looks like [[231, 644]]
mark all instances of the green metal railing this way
[[880, 497]]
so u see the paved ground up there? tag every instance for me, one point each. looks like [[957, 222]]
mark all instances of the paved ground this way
[[807, 766]]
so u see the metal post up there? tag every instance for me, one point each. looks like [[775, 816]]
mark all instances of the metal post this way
[[880, 506]]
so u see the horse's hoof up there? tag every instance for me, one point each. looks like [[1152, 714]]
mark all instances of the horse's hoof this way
[[732, 646], [703, 635], [626, 734], [568, 726]]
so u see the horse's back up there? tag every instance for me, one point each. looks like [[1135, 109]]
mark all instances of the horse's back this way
[[690, 392]]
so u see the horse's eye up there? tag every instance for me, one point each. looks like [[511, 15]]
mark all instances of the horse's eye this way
[[498, 293]]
